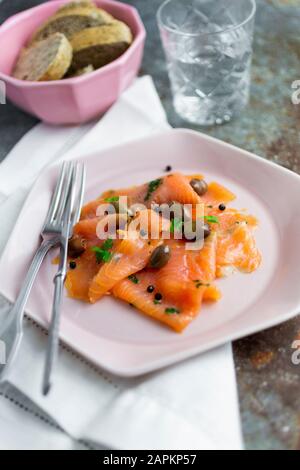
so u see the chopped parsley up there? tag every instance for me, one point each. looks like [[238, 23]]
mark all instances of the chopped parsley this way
[[171, 310], [112, 199], [107, 244], [212, 219], [133, 279], [102, 253], [152, 186], [176, 225], [156, 302]]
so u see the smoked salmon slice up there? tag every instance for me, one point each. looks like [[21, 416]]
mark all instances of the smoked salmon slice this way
[[179, 287], [237, 249], [126, 256], [217, 194], [181, 284], [129, 257], [117, 260], [174, 187]]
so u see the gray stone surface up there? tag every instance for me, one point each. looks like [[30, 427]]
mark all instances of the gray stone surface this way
[[268, 382]]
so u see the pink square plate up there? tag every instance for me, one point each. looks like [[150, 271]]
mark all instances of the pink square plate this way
[[119, 339]]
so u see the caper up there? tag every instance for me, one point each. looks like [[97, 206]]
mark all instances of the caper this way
[[200, 186], [160, 257], [196, 231], [76, 247]]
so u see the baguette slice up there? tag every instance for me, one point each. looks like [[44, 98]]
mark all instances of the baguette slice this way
[[100, 45], [45, 60], [71, 20]]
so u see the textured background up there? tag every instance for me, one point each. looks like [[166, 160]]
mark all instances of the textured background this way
[[270, 126]]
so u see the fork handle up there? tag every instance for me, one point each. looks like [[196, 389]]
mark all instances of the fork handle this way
[[12, 329], [53, 337], [31, 276]]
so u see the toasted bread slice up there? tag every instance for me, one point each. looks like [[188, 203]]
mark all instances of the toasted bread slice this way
[[100, 45], [45, 60], [71, 20]]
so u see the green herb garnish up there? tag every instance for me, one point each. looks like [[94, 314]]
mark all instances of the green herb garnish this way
[[133, 279], [102, 253], [106, 256], [171, 310], [211, 218], [107, 244], [112, 199], [152, 186], [156, 302], [176, 225]]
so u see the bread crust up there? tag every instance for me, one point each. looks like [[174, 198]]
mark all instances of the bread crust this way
[[100, 45], [106, 34]]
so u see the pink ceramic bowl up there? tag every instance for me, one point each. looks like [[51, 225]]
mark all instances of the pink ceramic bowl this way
[[73, 100]]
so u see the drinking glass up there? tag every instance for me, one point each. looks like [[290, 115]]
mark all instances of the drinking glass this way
[[208, 47]]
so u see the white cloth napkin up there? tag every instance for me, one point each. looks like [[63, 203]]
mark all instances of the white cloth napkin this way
[[192, 405], [23, 430]]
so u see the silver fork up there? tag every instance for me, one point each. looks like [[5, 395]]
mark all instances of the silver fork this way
[[71, 217], [12, 331]]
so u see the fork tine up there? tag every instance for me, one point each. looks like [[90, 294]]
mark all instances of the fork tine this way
[[72, 189], [56, 195], [64, 193], [81, 176]]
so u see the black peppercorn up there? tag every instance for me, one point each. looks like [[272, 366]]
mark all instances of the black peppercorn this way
[[158, 296]]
